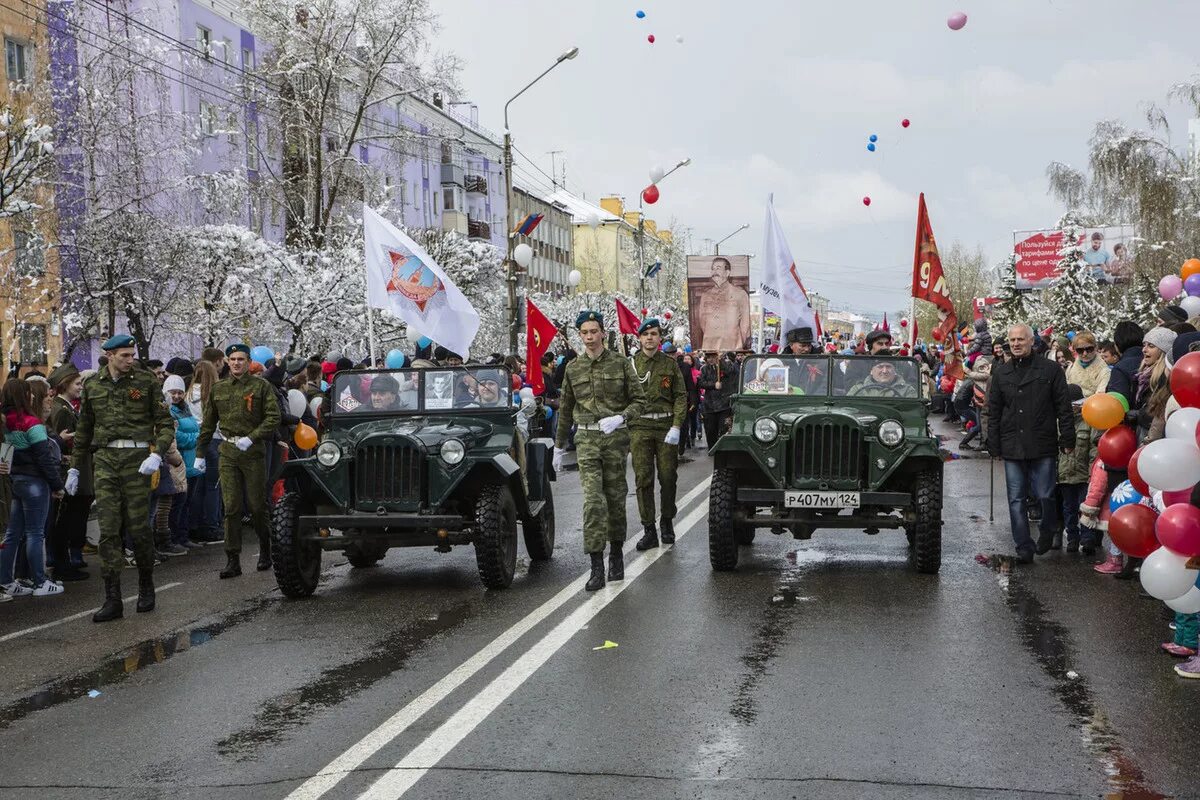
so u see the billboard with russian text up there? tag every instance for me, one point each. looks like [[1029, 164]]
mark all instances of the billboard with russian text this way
[[1108, 251]]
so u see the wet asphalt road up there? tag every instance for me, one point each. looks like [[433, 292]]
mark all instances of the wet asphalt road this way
[[825, 668]]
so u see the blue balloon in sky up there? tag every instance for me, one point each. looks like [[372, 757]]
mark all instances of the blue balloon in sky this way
[[874, 138], [871, 147], [394, 359], [641, 15], [261, 354]]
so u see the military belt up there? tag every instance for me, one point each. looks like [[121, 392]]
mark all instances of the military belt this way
[[127, 444], [595, 427], [655, 416]]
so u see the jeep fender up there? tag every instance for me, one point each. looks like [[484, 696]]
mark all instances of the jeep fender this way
[[743, 455], [501, 468], [301, 476]]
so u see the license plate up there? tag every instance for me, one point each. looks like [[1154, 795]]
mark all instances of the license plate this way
[[821, 499]]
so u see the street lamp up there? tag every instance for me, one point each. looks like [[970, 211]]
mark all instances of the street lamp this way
[[717, 246], [642, 228], [510, 269]]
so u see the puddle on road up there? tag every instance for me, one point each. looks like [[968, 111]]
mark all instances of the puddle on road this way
[[281, 714], [1050, 644], [121, 666]]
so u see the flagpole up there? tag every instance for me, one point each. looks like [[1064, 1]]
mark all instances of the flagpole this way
[[370, 322]]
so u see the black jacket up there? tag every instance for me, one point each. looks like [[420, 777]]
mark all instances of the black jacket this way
[[1123, 378], [1028, 410], [716, 400]]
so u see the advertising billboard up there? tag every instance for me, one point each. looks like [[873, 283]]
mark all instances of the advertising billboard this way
[[1107, 250], [719, 302]]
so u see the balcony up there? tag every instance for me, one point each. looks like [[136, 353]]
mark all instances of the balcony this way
[[477, 229], [454, 221], [452, 174], [477, 184]]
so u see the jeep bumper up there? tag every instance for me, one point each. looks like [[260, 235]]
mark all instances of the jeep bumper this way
[[876, 510], [333, 531]]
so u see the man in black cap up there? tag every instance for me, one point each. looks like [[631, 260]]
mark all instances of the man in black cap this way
[[385, 393], [800, 341], [879, 343], [1170, 315]]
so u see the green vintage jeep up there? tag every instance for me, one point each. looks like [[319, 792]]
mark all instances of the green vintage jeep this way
[[416, 458], [827, 442]]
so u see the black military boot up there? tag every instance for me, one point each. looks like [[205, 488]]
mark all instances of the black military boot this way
[[113, 608], [145, 590], [616, 563], [233, 567], [264, 553], [649, 539], [596, 581], [668, 530]]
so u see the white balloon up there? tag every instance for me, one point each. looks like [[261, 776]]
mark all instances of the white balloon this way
[[1182, 424], [296, 402], [526, 393], [1165, 574], [593, 220], [1188, 604], [1170, 464], [315, 405], [1191, 305], [523, 255], [679, 39], [656, 174], [574, 277]]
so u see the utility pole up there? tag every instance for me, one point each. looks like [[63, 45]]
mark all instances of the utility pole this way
[[554, 168]]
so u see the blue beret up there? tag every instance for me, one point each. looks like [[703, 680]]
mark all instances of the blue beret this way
[[589, 316], [238, 348], [652, 322], [117, 342]]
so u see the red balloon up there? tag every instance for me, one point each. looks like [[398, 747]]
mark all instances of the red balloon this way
[[1117, 446], [1185, 381], [666, 315], [1135, 477], [903, 323], [937, 336], [650, 38], [866, 201], [904, 123], [1178, 529], [650, 194], [1132, 530], [516, 383], [1181, 496]]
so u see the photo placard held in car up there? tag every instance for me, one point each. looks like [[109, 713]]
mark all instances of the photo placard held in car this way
[[777, 380], [439, 390]]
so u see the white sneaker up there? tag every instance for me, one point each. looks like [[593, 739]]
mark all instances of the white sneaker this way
[[17, 589], [47, 588]]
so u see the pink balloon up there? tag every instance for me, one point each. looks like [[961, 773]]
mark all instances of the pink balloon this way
[[1178, 529], [1170, 287], [1179, 496], [956, 21]]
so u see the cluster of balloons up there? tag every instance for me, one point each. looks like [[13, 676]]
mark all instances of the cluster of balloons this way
[[651, 194], [642, 15], [871, 140], [1162, 475], [1186, 282], [956, 21]]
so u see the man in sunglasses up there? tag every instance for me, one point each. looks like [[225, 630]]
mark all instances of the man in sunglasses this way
[[1088, 371]]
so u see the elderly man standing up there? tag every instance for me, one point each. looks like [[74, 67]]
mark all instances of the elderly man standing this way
[[1030, 421]]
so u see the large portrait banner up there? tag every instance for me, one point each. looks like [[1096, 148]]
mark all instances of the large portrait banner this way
[[719, 302]]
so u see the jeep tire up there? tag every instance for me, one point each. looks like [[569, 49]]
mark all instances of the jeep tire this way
[[496, 536], [722, 531], [927, 530], [539, 530], [297, 563]]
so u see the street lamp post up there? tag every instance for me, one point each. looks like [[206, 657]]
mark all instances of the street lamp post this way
[[717, 246], [510, 267], [642, 229]]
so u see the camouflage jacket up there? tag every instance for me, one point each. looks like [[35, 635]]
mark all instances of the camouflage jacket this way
[[595, 388], [130, 407], [665, 392], [244, 406]]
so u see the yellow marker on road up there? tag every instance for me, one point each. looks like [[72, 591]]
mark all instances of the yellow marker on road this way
[[606, 646]]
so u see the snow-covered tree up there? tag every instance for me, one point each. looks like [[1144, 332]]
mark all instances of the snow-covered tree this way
[[1075, 301], [1014, 306], [26, 146], [1137, 301]]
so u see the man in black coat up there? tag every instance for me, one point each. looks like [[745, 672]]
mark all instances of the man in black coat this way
[[1030, 421]]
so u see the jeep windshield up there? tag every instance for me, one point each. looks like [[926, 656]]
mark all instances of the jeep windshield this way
[[867, 376], [855, 376], [410, 391]]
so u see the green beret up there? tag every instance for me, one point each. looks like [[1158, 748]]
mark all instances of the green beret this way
[[648, 324], [589, 316], [121, 340], [238, 348]]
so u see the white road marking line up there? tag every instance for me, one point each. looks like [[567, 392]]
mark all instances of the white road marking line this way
[[397, 781], [333, 772], [133, 597]]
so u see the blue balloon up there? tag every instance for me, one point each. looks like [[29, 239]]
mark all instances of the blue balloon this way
[[1125, 495], [687, 348], [261, 354], [871, 147], [641, 15], [324, 386], [424, 342], [873, 138], [1070, 336], [394, 359]]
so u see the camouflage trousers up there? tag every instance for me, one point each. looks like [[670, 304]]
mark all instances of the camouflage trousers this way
[[601, 462], [122, 505], [650, 455], [243, 477]]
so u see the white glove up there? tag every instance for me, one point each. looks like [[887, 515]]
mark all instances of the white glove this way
[[610, 424], [72, 485], [672, 436], [243, 443], [557, 461], [199, 465], [151, 464]]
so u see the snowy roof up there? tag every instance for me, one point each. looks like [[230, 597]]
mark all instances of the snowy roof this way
[[581, 210]]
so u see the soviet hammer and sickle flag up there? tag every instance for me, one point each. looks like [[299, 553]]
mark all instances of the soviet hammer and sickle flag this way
[[539, 334], [929, 282]]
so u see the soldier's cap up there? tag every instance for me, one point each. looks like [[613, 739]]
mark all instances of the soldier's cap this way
[[588, 316], [237, 347], [385, 383], [118, 342], [61, 374], [652, 322], [492, 375], [875, 336], [800, 336], [294, 365]]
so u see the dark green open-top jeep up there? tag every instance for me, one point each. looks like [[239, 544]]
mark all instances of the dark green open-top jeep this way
[[416, 458], [827, 442]]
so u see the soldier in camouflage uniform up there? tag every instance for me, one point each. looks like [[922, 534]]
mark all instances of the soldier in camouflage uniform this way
[[600, 392], [245, 407], [654, 436], [124, 426]]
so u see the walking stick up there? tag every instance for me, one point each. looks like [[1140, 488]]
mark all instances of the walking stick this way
[[991, 489]]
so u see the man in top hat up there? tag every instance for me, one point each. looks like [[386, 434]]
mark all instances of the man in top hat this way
[[808, 377], [245, 407], [800, 341], [654, 436], [124, 427], [600, 393]]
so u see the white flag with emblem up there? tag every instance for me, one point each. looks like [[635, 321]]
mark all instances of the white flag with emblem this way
[[403, 279], [781, 288]]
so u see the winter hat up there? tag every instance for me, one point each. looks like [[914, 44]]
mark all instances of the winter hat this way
[[180, 366], [173, 382], [294, 365], [344, 364], [1171, 314], [1163, 339], [1183, 345]]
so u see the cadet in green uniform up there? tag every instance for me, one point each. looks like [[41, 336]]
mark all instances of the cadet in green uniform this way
[[245, 407], [600, 392], [654, 436], [121, 417]]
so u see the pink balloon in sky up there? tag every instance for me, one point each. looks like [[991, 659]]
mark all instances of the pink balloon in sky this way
[[956, 21]]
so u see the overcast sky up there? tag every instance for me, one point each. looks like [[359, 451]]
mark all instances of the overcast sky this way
[[780, 96]]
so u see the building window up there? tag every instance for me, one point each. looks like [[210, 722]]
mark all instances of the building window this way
[[32, 339], [16, 55], [450, 199], [204, 41], [403, 193], [28, 256], [226, 50], [208, 118], [247, 58]]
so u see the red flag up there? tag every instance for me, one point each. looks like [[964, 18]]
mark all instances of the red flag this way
[[929, 282], [817, 322], [628, 321], [539, 333], [912, 336], [886, 329]]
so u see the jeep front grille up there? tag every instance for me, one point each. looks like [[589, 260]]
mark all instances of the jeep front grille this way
[[828, 450], [388, 473]]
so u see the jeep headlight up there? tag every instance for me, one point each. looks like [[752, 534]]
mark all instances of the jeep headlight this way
[[891, 432], [329, 454], [452, 451], [766, 429]]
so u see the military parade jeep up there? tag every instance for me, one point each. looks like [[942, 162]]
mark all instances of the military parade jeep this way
[[416, 458], [827, 442]]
